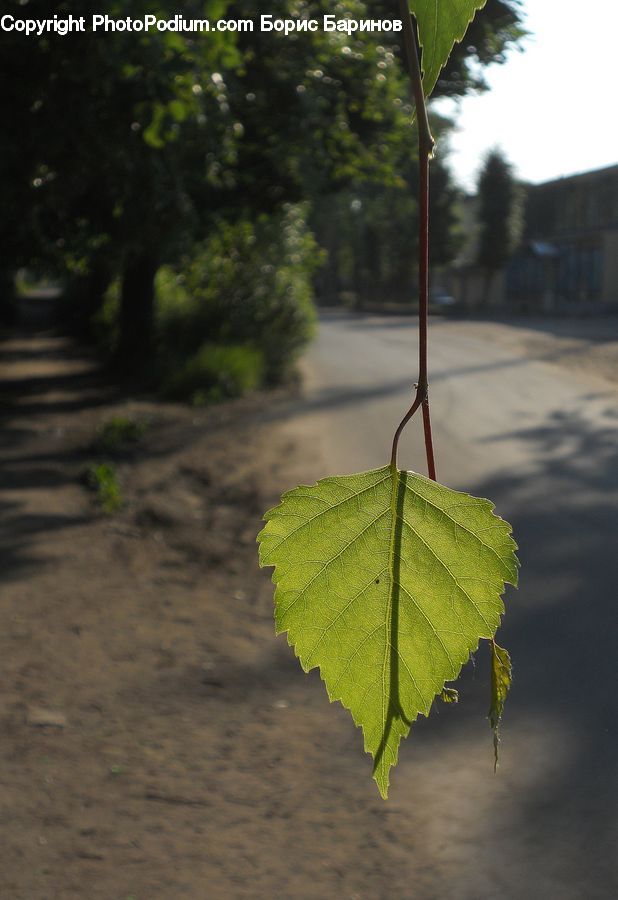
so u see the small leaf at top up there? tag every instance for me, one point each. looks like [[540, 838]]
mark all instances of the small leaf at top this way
[[449, 695], [386, 581], [501, 678], [441, 24]]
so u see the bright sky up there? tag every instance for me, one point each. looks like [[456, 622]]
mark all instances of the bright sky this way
[[554, 108]]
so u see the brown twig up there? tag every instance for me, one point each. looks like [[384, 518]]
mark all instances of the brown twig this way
[[426, 144]]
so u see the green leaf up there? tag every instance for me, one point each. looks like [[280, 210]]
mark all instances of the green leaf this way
[[449, 695], [386, 581], [441, 24], [501, 679]]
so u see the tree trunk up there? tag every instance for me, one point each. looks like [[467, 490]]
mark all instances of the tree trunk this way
[[137, 311], [487, 283], [84, 298], [7, 299]]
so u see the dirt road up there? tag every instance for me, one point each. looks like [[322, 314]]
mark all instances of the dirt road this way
[[158, 742]]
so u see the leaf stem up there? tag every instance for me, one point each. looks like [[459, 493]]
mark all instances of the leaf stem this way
[[417, 402], [426, 145], [431, 463]]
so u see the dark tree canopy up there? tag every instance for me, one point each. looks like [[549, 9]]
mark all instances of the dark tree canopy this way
[[131, 145]]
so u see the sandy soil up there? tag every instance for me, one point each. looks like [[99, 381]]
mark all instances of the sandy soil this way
[[158, 742]]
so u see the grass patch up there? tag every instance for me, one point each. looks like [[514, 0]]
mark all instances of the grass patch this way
[[215, 373], [118, 434], [103, 480]]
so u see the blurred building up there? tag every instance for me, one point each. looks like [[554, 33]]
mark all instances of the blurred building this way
[[568, 258]]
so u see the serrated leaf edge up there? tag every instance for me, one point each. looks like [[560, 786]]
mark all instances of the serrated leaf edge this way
[[457, 39]]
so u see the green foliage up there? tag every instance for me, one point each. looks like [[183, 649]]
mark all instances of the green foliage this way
[[214, 373], [103, 480], [386, 581], [177, 132], [441, 23], [501, 679], [249, 283], [118, 433]]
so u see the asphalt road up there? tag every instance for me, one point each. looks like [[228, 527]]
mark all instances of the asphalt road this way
[[542, 443]]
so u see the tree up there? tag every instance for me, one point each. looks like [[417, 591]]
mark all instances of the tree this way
[[131, 145], [143, 140], [499, 215], [123, 134]]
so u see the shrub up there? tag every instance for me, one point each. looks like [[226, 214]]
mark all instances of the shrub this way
[[242, 300], [214, 373], [249, 283]]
